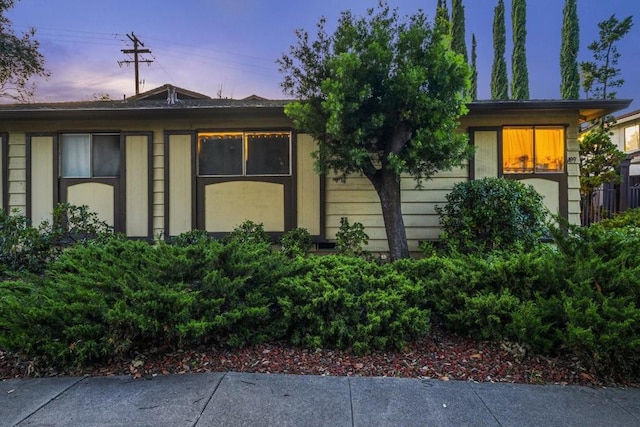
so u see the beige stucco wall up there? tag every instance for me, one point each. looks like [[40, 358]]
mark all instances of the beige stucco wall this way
[[308, 191], [229, 204], [96, 196], [137, 185], [180, 184], [42, 177]]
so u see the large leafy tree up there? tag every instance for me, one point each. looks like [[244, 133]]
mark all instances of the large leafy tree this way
[[519, 71], [499, 79], [570, 77], [382, 96], [602, 74], [20, 59]]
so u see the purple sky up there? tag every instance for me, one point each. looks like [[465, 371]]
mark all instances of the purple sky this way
[[231, 45]]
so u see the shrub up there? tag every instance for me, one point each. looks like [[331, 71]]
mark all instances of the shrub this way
[[351, 238], [296, 242], [347, 302], [248, 232], [628, 218], [492, 213]]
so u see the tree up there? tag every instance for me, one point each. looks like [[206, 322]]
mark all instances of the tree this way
[[570, 77], [602, 72], [599, 157], [519, 72], [382, 96], [458, 43], [442, 22], [499, 81], [20, 59], [473, 93]]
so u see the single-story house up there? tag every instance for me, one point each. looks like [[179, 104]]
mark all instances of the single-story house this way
[[171, 160]]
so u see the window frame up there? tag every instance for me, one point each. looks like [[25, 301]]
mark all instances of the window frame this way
[[92, 175], [535, 170], [635, 126], [245, 134]]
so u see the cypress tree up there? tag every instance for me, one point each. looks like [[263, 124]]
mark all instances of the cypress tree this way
[[499, 80], [569, 74], [474, 70], [519, 73], [442, 23], [458, 43]]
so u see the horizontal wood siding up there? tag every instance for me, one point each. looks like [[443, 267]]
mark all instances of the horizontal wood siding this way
[[356, 200], [17, 173]]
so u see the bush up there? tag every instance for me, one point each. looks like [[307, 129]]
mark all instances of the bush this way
[[492, 213], [351, 238], [628, 218], [248, 232], [296, 242], [347, 302]]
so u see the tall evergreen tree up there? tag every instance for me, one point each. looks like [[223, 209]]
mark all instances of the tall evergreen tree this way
[[519, 72], [442, 23], [569, 74], [458, 43], [499, 79], [473, 92]]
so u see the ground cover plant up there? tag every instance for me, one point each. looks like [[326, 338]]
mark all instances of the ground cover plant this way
[[570, 309]]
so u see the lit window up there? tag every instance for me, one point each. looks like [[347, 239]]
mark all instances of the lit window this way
[[90, 155], [244, 153], [632, 138], [533, 149]]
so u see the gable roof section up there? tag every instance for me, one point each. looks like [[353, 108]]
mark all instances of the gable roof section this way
[[161, 92]]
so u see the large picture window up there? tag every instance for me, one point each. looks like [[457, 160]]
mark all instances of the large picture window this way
[[244, 153], [90, 155], [533, 149], [632, 138]]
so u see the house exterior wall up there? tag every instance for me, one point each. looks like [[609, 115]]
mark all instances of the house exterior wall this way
[[160, 183], [618, 138]]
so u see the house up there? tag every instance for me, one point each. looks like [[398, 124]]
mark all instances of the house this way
[[626, 135], [171, 160]]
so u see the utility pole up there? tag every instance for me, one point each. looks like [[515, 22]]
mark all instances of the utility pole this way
[[136, 60]]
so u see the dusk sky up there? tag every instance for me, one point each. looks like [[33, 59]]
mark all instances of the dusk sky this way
[[231, 45]]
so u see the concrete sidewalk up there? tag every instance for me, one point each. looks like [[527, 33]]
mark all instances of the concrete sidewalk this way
[[237, 399]]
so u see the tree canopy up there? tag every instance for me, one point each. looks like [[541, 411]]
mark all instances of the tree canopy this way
[[499, 79], [382, 97], [519, 70], [570, 77], [20, 59]]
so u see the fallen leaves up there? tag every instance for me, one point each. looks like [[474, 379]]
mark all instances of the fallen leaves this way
[[442, 355]]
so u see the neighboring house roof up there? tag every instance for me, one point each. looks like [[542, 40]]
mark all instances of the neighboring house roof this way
[[175, 101], [627, 117]]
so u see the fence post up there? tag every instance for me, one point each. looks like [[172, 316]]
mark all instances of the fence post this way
[[624, 185]]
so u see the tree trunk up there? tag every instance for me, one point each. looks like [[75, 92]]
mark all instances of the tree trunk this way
[[387, 185]]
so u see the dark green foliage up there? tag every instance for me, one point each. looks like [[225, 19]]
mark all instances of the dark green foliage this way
[[347, 302], [296, 242], [519, 71], [458, 42], [569, 75], [628, 218], [350, 238], [25, 248], [492, 213], [473, 92], [441, 21], [499, 79], [248, 232], [600, 160]]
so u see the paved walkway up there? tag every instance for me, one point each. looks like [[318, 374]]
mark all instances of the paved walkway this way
[[236, 399]]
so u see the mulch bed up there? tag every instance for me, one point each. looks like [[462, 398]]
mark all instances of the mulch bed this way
[[440, 356]]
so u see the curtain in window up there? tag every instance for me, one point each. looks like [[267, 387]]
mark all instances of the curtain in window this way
[[76, 156], [517, 151], [549, 149]]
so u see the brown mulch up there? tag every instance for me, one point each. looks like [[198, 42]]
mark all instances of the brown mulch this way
[[441, 356]]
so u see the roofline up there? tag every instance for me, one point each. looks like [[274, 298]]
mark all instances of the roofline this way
[[587, 109]]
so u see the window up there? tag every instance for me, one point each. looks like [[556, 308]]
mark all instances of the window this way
[[90, 155], [244, 153], [533, 149], [632, 138]]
